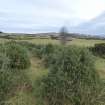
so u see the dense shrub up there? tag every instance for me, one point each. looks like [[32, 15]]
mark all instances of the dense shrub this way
[[72, 79], [4, 61], [11, 79], [99, 49], [10, 82], [42, 51], [17, 55], [5, 85], [27, 45], [5, 75]]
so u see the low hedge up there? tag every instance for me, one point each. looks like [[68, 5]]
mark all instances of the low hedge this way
[[99, 50]]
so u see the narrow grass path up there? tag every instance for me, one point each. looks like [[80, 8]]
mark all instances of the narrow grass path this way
[[36, 71]]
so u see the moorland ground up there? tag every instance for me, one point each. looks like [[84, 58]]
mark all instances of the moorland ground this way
[[37, 70]]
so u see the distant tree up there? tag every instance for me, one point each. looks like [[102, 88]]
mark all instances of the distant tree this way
[[63, 35]]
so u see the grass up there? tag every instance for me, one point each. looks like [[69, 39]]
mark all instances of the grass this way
[[78, 42], [84, 42], [22, 98], [37, 69], [42, 41], [38, 40], [100, 63], [2, 40]]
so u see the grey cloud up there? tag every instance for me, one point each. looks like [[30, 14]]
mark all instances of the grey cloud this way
[[35, 14]]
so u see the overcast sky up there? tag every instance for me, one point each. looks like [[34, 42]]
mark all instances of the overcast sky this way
[[41, 15]]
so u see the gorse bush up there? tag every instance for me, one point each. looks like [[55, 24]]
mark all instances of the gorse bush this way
[[5, 85], [45, 52], [27, 45], [10, 81], [13, 58], [17, 55], [42, 50], [4, 75], [72, 79]]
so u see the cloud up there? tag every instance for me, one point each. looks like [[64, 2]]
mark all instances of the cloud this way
[[23, 14]]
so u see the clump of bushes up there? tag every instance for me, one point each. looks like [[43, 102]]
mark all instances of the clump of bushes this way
[[4, 61], [99, 50], [72, 79], [17, 55], [13, 58], [5, 85], [42, 50], [37, 50], [27, 45], [4, 77]]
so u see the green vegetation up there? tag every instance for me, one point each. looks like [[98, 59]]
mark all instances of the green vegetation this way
[[72, 79], [77, 42], [36, 71], [18, 56], [12, 58]]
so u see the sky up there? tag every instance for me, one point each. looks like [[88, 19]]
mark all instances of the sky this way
[[46, 15]]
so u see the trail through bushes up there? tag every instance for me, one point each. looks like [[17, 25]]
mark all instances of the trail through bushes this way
[[71, 79]]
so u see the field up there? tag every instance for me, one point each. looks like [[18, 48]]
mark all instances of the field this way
[[78, 42], [37, 70]]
